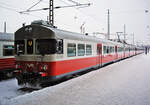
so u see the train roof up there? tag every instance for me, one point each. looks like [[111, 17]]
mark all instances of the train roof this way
[[77, 36], [6, 36], [44, 31]]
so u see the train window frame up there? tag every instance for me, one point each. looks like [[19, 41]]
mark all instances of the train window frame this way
[[71, 46], [30, 45], [88, 52], [105, 49], [108, 50], [19, 47], [8, 51], [111, 49], [119, 49], [59, 46], [81, 49]]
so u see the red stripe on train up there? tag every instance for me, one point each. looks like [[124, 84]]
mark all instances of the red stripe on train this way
[[7, 63], [66, 66]]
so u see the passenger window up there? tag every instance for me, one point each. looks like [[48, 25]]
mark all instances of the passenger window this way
[[104, 49], [81, 49], [8, 50], [119, 49], [111, 49], [107, 49], [71, 50], [88, 50]]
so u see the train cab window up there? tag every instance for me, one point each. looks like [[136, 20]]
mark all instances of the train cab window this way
[[81, 49], [88, 50], [45, 46], [19, 47], [8, 50], [30, 46], [71, 49]]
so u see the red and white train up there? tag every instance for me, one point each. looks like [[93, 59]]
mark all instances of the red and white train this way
[[45, 53], [7, 62]]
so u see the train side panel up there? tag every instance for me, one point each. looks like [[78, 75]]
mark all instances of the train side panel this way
[[6, 55], [7, 63], [71, 64]]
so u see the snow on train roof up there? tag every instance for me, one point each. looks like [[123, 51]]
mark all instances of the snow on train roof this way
[[6, 36]]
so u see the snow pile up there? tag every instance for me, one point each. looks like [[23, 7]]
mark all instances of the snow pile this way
[[62, 92], [122, 83]]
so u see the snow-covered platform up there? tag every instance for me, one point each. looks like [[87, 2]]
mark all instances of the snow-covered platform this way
[[123, 83]]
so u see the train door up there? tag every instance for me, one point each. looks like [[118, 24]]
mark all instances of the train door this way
[[99, 53], [116, 52]]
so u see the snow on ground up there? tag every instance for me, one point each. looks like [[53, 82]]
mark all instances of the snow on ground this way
[[122, 83], [8, 90]]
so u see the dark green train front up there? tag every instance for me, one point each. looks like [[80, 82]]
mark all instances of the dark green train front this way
[[35, 46]]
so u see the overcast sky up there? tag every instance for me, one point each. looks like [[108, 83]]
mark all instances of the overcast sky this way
[[129, 12]]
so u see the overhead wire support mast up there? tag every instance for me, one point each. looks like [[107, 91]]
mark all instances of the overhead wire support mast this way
[[108, 25], [51, 12]]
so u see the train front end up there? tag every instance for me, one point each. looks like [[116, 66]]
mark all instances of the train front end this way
[[35, 48]]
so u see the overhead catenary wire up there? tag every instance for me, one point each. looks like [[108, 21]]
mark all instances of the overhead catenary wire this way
[[34, 5], [10, 9], [89, 15], [74, 2], [57, 7], [14, 10], [78, 9]]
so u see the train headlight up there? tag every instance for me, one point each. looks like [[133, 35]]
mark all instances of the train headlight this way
[[18, 66], [45, 67]]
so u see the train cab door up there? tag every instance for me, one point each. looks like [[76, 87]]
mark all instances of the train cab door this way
[[99, 53]]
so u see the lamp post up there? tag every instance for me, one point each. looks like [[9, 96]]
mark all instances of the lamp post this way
[[133, 38], [108, 25]]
